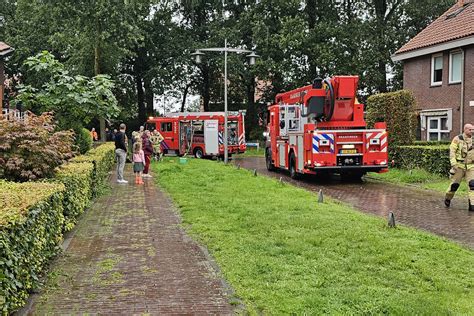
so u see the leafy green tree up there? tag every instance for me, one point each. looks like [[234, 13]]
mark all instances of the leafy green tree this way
[[145, 45], [74, 99]]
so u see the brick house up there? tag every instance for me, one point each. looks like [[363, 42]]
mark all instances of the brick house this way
[[438, 67], [5, 51]]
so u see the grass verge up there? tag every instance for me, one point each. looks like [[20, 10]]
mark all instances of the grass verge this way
[[284, 253], [253, 152], [420, 178]]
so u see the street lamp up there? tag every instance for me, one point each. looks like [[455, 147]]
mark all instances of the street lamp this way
[[198, 54]]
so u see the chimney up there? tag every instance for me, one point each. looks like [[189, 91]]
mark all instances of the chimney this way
[[461, 3]]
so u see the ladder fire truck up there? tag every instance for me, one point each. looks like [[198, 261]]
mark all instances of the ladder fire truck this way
[[320, 128], [200, 133]]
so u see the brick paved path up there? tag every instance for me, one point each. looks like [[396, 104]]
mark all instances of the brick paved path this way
[[129, 255], [414, 207]]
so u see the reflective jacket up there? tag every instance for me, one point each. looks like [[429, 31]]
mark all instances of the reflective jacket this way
[[461, 153]]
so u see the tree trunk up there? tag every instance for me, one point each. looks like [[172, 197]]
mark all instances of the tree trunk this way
[[185, 94], [251, 120], [97, 72], [140, 99], [206, 93], [148, 97], [311, 12], [138, 70], [380, 12]]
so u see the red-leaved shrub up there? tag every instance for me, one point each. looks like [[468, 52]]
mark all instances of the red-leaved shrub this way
[[31, 149]]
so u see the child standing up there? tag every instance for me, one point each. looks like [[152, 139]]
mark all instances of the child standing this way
[[138, 162]]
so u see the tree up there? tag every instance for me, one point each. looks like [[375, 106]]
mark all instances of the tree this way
[[74, 99], [145, 45]]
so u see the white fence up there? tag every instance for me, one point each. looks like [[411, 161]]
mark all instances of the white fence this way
[[11, 114]]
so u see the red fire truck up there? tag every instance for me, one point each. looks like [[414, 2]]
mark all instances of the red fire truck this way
[[200, 133], [320, 128]]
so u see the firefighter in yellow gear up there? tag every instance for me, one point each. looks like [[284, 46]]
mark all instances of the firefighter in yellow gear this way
[[461, 157], [156, 139]]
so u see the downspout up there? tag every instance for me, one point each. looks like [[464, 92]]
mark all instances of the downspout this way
[[461, 127]]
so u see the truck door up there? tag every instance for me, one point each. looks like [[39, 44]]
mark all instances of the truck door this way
[[211, 137], [169, 135]]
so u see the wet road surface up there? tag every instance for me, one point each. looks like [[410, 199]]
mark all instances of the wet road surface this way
[[412, 206]]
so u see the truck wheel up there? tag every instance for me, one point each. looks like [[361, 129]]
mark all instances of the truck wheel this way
[[268, 160], [198, 153], [293, 173]]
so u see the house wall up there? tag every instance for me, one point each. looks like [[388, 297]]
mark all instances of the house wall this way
[[2, 79], [417, 78]]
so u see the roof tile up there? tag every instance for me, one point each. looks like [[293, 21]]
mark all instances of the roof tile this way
[[444, 29], [4, 46]]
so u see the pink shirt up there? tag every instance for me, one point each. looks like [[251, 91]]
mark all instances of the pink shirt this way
[[140, 157]]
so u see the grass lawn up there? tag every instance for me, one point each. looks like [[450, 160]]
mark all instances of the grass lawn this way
[[253, 152], [284, 253], [420, 178]]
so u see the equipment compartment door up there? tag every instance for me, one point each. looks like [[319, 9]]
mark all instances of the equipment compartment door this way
[[184, 136], [211, 137], [282, 152]]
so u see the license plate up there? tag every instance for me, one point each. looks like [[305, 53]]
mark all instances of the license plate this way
[[348, 151]]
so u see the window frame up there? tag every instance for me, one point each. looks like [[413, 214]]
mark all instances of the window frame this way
[[438, 130], [433, 58], [167, 124], [454, 52]]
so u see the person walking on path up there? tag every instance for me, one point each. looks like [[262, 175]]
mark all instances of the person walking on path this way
[[138, 162], [121, 153], [148, 150], [461, 157]]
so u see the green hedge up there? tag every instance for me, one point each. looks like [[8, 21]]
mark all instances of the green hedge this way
[[83, 140], [397, 109], [433, 158], [77, 178], [430, 143], [103, 158], [33, 216], [31, 222]]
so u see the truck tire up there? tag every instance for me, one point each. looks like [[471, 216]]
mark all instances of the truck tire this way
[[292, 165], [268, 160], [198, 153]]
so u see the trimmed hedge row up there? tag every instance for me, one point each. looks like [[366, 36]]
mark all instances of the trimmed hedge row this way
[[31, 223], [77, 178], [33, 216], [397, 109], [433, 158], [103, 158]]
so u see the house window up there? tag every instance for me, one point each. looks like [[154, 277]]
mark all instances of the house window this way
[[437, 70], [438, 128], [436, 124], [455, 66]]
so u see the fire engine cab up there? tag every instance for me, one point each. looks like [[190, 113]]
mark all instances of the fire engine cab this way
[[320, 128], [200, 133]]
